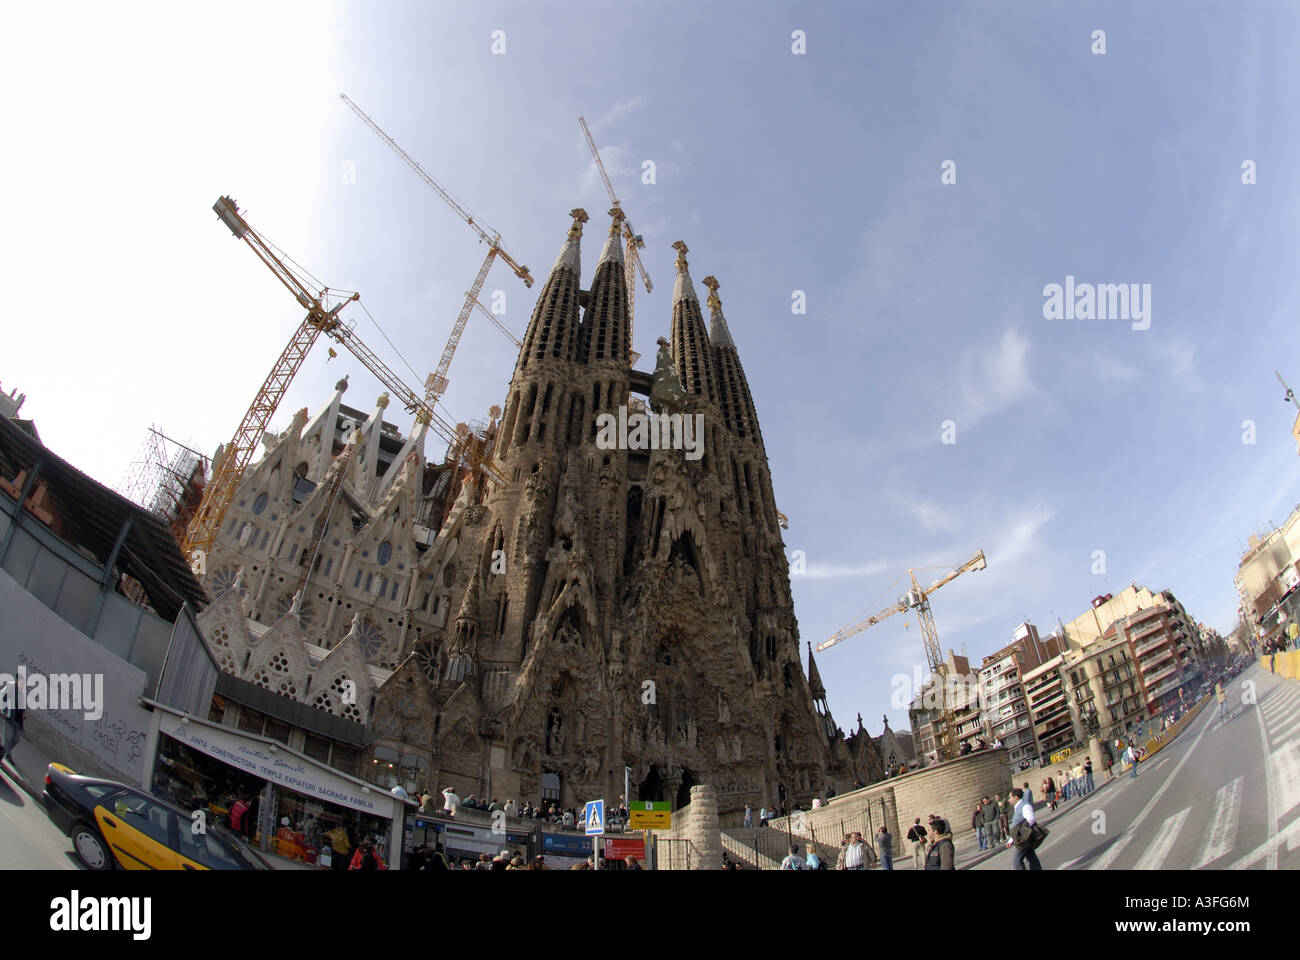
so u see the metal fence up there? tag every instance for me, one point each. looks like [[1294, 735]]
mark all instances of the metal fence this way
[[675, 854]]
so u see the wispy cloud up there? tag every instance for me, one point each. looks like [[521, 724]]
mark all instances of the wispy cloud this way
[[1021, 540], [990, 379], [840, 571], [932, 517], [1177, 358], [1111, 368], [617, 112]]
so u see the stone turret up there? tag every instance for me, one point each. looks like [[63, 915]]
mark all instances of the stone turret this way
[[690, 340]]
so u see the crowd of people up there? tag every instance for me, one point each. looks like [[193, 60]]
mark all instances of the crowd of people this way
[[1070, 783], [546, 810]]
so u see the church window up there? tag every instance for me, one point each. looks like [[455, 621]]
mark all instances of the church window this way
[[384, 554], [260, 504], [395, 585], [356, 584], [370, 579]]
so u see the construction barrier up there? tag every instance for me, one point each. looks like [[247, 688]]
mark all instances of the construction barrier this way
[[1287, 665]]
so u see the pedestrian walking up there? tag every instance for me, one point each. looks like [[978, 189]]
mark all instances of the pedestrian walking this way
[[977, 824], [792, 861], [1130, 757], [1222, 697], [1004, 817], [916, 836], [1049, 791], [1023, 825], [1087, 775], [749, 815], [885, 846]]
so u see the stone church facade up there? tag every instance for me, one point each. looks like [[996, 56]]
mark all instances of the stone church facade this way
[[608, 607]]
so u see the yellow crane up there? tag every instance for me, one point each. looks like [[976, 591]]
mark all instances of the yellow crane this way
[[436, 384], [237, 455], [918, 599], [632, 264]]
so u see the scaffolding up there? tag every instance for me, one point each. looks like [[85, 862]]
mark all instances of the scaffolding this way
[[167, 478]]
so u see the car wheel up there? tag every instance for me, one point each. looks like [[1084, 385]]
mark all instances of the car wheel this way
[[90, 847]]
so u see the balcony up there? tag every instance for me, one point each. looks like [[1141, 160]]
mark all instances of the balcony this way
[[1156, 658], [1153, 644], [1056, 697], [1147, 627], [1150, 678], [1169, 686]]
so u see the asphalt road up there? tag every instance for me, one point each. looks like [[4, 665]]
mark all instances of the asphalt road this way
[[28, 841], [1224, 796]]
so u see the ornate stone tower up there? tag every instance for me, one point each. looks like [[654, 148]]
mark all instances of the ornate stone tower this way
[[620, 602]]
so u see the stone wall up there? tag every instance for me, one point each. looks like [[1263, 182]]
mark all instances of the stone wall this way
[[950, 789], [695, 828]]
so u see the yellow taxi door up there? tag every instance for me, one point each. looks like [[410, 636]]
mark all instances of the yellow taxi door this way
[[138, 832]]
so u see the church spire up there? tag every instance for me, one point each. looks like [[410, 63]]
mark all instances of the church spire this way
[[605, 333], [553, 329], [814, 678], [733, 388], [692, 352]]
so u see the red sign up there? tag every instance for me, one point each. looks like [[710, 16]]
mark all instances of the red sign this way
[[620, 848]]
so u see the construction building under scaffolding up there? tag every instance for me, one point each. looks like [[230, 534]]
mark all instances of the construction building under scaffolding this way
[[498, 637]]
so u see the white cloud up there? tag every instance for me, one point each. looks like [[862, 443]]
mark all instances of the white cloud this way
[[1021, 541], [1177, 358], [617, 112], [932, 517], [1109, 368], [990, 380], [837, 571]]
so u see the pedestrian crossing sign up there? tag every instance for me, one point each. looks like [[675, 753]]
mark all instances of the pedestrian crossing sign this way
[[595, 817]]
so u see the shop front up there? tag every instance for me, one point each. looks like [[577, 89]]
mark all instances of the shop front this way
[[296, 805], [465, 841]]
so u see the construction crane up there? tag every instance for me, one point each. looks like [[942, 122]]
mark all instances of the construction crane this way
[[237, 455], [436, 384], [632, 264], [918, 599]]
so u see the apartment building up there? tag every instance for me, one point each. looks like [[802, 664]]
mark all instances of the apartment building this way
[[1006, 707], [1268, 577], [1049, 707]]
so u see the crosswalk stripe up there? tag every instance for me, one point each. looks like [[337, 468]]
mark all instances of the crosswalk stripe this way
[[1285, 735], [1112, 853], [1158, 852], [1222, 834], [1285, 695], [1284, 764], [1282, 714], [1290, 836]]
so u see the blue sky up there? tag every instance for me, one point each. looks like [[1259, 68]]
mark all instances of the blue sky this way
[[130, 304]]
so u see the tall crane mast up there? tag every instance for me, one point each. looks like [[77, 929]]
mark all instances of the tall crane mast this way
[[239, 452], [631, 259], [918, 599], [436, 384]]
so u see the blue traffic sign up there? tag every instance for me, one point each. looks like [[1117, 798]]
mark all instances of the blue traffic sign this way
[[595, 817]]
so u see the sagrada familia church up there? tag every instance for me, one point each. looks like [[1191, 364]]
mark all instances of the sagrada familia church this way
[[610, 605]]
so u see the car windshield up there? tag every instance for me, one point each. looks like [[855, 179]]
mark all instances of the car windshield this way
[[248, 857]]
